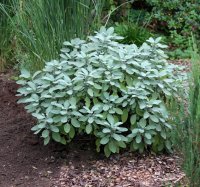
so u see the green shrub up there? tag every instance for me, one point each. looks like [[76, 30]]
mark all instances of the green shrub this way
[[180, 15], [112, 91], [178, 19], [175, 19]]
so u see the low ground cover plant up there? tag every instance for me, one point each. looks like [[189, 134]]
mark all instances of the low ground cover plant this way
[[115, 92]]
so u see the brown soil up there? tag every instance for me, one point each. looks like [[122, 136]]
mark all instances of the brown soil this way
[[25, 162]]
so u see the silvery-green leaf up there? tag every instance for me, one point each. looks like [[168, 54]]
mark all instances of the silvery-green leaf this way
[[168, 145], [45, 133], [112, 147], [148, 141], [35, 128], [38, 131], [25, 73], [97, 86], [110, 30], [122, 129], [154, 118], [104, 140], [64, 119], [142, 123], [41, 125], [116, 137], [118, 111], [90, 92], [56, 119], [147, 135], [146, 115], [56, 136], [72, 101], [46, 140], [49, 120], [138, 139], [76, 113], [106, 130], [110, 119], [54, 128], [22, 90], [158, 127], [133, 119], [38, 116], [75, 122], [150, 127], [78, 87], [70, 92], [142, 105], [106, 107], [163, 134], [121, 144], [22, 82], [90, 120], [88, 128], [67, 128], [135, 132]]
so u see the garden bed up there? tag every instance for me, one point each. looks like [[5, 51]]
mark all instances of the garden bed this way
[[24, 161]]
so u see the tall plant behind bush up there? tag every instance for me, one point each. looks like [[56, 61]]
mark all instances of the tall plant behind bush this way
[[187, 117], [42, 25], [192, 157], [5, 35], [113, 91]]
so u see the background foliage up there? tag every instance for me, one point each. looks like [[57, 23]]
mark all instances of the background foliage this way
[[41, 26], [175, 19]]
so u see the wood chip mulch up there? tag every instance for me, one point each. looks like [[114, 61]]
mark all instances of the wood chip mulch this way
[[125, 170]]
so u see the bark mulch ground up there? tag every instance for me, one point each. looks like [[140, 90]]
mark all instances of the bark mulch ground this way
[[25, 162], [125, 170]]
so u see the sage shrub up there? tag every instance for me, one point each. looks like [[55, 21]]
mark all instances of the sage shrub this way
[[113, 91]]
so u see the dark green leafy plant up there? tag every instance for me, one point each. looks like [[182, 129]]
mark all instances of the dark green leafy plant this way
[[180, 15], [175, 19], [132, 33], [112, 91], [179, 46]]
